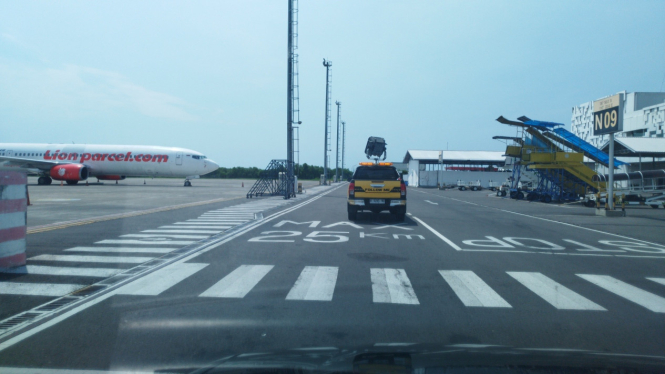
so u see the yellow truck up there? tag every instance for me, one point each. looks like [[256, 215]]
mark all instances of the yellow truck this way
[[376, 187]]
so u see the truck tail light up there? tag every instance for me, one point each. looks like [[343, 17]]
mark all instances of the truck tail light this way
[[402, 188], [352, 189]]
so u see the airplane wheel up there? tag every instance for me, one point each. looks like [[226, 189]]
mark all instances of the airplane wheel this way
[[48, 180], [188, 184], [41, 181]]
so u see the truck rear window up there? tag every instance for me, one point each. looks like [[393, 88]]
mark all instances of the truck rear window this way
[[377, 174]]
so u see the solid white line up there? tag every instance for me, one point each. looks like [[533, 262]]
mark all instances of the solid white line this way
[[120, 249], [76, 258], [431, 202], [96, 300], [658, 280], [164, 236], [239, 282], [161, 280], [250, 215], [38, 289], [450, 243], [147, 242], [184, 231], [472, 290], [392, 286], [554, 293], [314, 283], [640, 297], [14, 370], [65, 271]]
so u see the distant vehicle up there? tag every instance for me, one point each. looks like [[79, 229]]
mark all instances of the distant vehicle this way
[[76, 162], [376, 187]]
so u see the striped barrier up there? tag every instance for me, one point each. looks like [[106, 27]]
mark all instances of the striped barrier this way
[[13, 218]]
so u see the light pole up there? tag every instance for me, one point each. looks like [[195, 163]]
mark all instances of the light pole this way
[[337, 145], [327, 64], [343, 142]]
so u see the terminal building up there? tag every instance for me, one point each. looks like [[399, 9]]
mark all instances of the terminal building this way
[[641, 143], [433, 168]]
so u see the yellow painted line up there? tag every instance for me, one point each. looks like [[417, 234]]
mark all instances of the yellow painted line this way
[[87, 221]]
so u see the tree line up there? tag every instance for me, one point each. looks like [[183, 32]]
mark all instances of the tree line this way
[[303, 171]]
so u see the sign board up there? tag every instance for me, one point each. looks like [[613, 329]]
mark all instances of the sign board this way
[[440, 157], [608, 115]]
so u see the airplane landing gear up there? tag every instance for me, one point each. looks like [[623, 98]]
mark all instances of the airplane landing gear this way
[[44, 181], [188, 183]]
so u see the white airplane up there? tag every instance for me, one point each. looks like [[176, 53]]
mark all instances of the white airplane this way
[[76, 162]]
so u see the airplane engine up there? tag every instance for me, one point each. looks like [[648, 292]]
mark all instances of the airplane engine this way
[[110, 177], [69, 172]]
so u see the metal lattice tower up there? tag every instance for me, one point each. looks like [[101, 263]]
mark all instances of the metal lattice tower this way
[[295, 84], [328, 65]]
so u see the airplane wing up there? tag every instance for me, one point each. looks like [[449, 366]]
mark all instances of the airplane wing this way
[[28, 163]]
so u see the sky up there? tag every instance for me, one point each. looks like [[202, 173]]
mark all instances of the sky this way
[[211, 75]]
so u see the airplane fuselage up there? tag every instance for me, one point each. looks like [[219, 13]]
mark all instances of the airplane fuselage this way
[[109, 160]]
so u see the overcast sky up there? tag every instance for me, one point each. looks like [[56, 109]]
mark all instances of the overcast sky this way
[[211, 75]]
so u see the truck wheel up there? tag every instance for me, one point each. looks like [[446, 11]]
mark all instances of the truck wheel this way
[[352, 213]]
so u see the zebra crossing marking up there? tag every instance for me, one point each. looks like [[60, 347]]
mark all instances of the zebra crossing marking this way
[[120, 249], [77, 258], [147, 242], [629, 292], [174, 236], [62, 271], [175, 231], [554, 293], [392, 286], [161, 280], [239, 282], [472, 290], [314, 283]]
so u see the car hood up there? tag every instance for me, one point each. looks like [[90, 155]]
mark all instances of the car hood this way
[[432, 358]]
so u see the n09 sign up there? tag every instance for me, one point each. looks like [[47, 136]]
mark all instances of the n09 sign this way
[[607, 115]]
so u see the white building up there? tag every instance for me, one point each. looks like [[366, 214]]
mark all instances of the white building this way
[[643, 117], [430, 168]]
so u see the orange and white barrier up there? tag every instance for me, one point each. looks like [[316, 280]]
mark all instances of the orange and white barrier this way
[[13, 218]]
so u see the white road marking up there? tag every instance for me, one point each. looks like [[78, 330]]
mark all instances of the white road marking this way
[[450, 242], [658, 280], [161, 280], [239, 282], [147, 242], [120, 249], [549, 220], [64, 271], [216, 220], [36, 329], [472, 290], [640, 297], [76, 258], [38, 289], [164, 236], [10, 370], [392, 286], [314, 283], [174, 231], [250, 215], [554, 293], [195, 226], [431, 202]]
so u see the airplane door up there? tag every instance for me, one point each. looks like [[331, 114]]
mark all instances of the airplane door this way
[[178, 158], [10, 153]]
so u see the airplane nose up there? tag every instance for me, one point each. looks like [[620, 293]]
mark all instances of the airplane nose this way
[[212, 165]]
